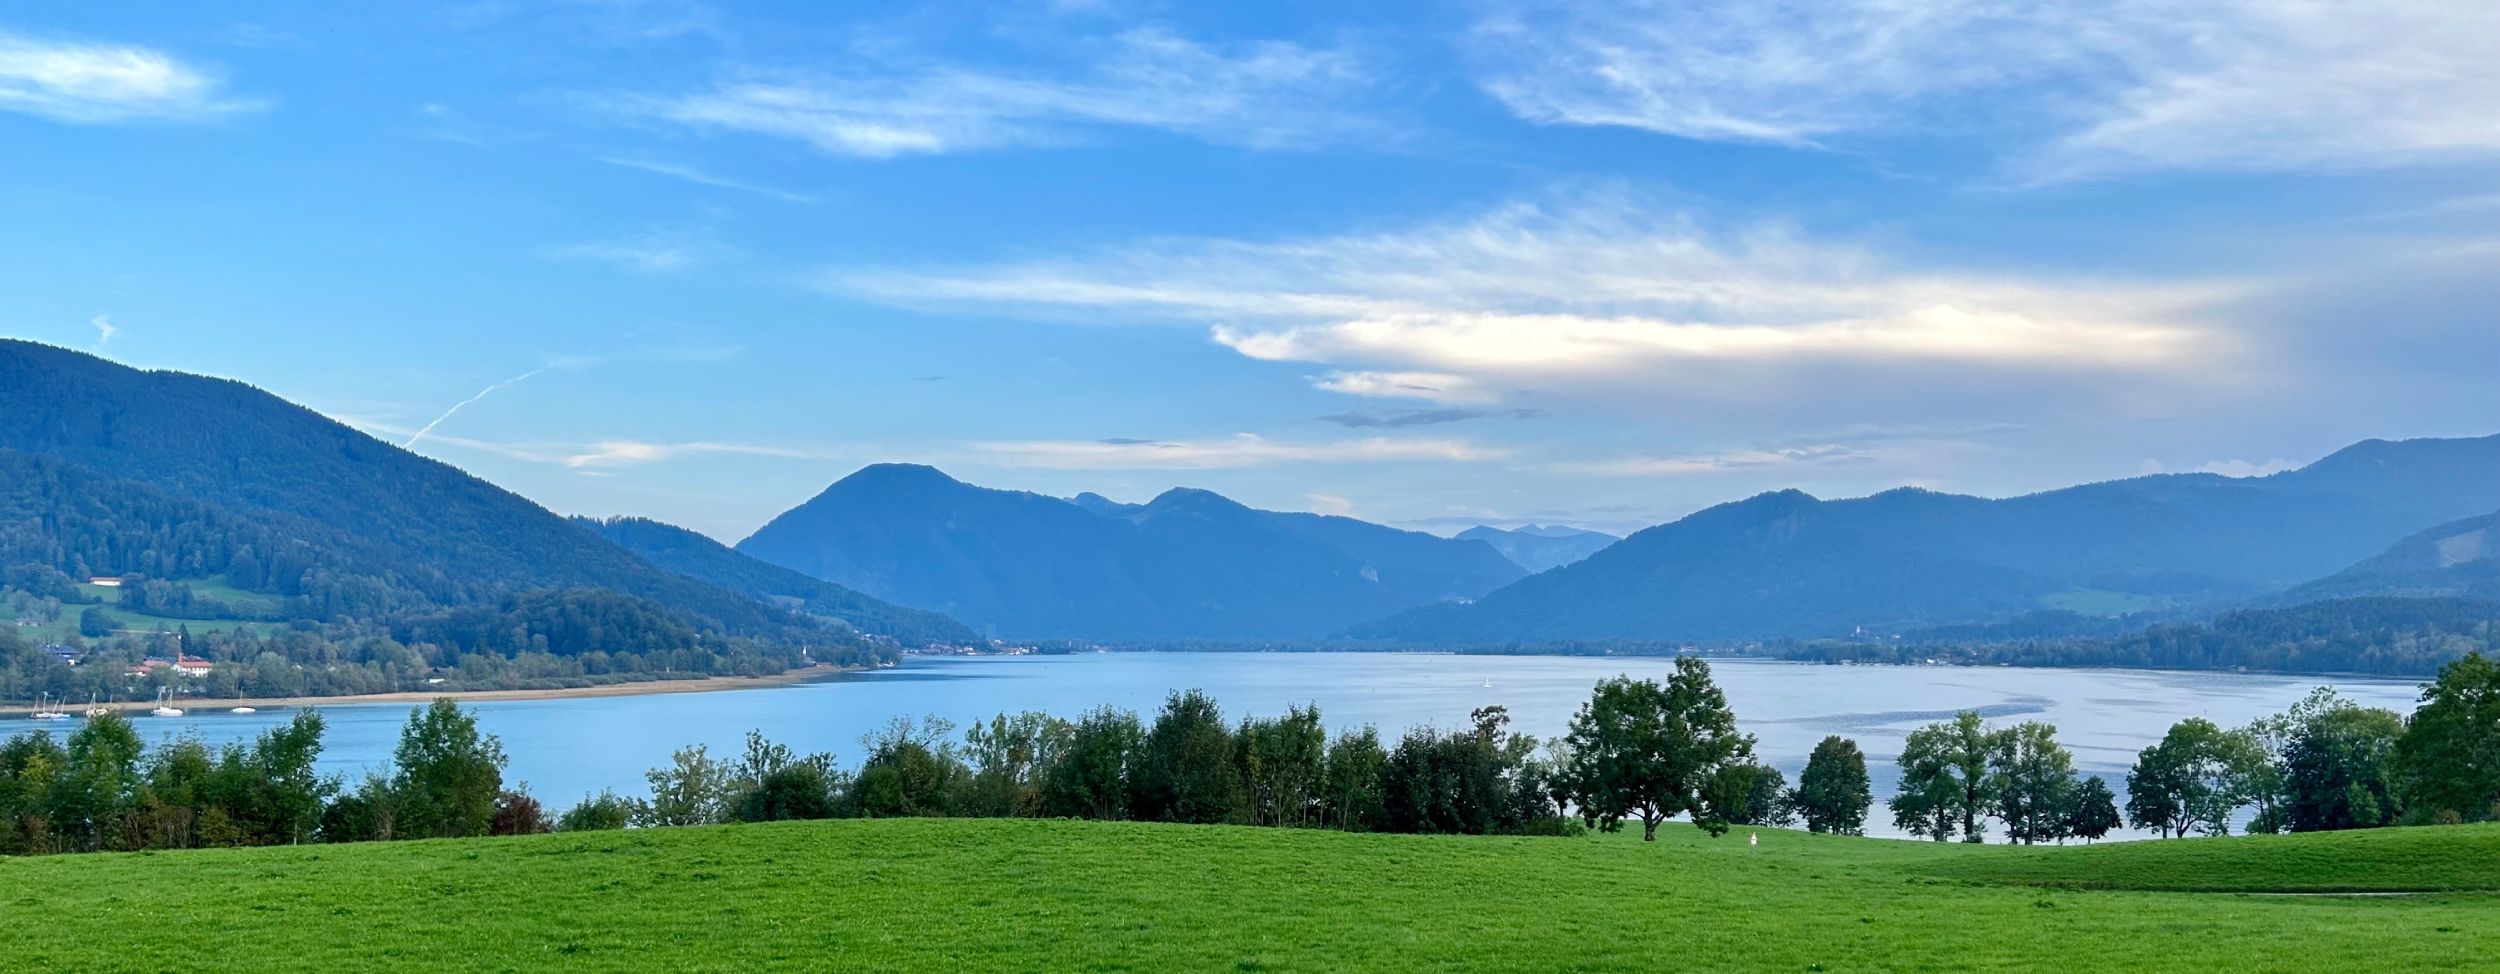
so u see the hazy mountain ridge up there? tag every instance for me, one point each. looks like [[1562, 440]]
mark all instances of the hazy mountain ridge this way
[[1787, 564], [1188, 564], [1538, 547]]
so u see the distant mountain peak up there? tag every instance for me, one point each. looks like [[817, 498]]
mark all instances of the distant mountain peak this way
[[900, 474], [1193, 498], [1099, 504]]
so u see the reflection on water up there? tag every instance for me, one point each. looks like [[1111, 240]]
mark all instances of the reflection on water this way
[[566, 749]]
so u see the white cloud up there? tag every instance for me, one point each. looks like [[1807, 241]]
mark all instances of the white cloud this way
[[1329, 504], [1267, 95], [96, 83], [617, 453], [1440, 387], [104, 330], [1244, 450], [2244, 468], [654, 251], [2105, 86], [1591, 293]]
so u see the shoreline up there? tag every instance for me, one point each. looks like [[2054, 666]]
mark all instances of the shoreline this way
[[213, 705]]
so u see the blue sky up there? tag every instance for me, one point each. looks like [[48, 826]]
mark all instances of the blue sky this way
[[1429, 264]]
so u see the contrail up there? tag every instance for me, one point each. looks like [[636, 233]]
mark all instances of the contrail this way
[[462, 404]]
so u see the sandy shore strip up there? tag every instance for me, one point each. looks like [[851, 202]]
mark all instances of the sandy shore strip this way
[[210, 705]]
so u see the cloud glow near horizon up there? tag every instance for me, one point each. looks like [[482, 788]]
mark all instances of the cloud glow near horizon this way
[[1596, 263]]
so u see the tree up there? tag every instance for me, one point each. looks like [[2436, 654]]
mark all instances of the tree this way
[[1757, 795], [1464, 783], [912, 769], [2448, 761], [1185, 767], [2337, 769], [692, 790], [99, 784], [1833, 792], [1640, 749], [602, 812], [2035, 784], [449, 776], [95, 623], [286, 793], [1281, 761], [772, 783], [2095, 810], [1089, 776], [1010, 757], [1350, 795], [1946, 787], [516, 813], [2194, 778]]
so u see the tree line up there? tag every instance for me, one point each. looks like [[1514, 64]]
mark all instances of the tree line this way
[[2325, 764], [1638, 751], [2382, 635], [540, 639]]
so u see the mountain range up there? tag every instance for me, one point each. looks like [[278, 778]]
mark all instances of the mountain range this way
[[275, 512], [1189, 564], [109, 470], [1786, 564]]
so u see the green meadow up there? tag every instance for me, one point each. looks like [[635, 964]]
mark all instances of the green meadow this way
[[1022, 895]]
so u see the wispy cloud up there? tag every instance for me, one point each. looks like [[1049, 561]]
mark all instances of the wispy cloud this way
[[2094, 87], [1268, 94], [1866, 445], [472, 400], [104, 330], [703, 178], [1733, 461], [1590, 289], [596, 456], [93, 83], [1404, 418], [653, 251], [1244, 450]]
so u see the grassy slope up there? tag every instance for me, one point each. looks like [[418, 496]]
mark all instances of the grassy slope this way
[[1009, 895]]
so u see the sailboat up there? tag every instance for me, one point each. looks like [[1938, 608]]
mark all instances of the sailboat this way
[[1488, 683], [95, 709], [165, 705], [43, 713]]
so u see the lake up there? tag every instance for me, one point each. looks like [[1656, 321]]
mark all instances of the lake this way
[[566, 749]]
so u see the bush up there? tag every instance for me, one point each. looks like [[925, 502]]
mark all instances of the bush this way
[[603, 812], [516, 813]]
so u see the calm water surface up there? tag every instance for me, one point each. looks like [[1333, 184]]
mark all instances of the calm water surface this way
[[566, 749]]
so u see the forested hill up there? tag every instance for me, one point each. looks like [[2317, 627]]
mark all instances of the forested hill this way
[[211, 484], [1786, 564], [2459, 559], [692, 555], [2383, 636]]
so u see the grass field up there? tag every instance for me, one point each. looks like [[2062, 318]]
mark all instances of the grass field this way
[[1047, 896]]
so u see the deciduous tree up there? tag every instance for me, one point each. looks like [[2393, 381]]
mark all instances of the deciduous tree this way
[[1643, 750], [1833, 792]]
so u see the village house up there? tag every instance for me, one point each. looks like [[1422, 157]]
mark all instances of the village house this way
[[186, 665]]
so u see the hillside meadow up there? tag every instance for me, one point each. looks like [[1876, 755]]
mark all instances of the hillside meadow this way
[[926, 894]]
